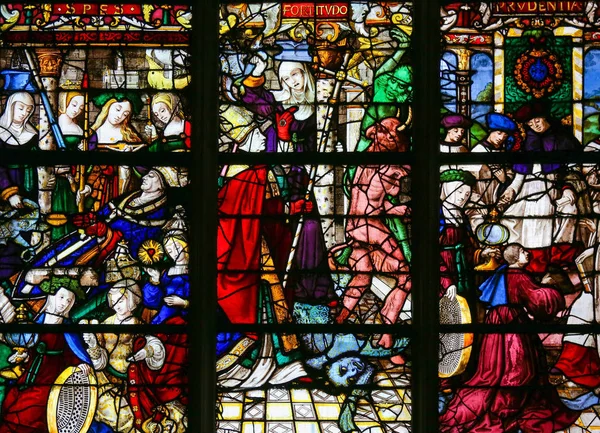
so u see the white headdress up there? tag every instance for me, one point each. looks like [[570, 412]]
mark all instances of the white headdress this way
[[16, 134], [303, 99]]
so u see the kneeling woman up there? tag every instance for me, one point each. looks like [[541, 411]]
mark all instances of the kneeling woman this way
[[24, 408]]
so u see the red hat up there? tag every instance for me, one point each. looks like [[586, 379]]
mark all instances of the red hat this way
[[530, 111], [450, 121]]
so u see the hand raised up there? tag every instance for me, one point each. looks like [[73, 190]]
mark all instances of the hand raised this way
[[284, 123], [259, 60]]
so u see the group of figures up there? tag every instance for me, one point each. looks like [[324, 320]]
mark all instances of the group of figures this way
[[519, 244], [293, 246], [103, 245], [326, 244]]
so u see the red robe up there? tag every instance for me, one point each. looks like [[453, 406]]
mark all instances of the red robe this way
[[147, 389], [24, 410], [238, 244], [242, 207], [581, 364], [510, 389]]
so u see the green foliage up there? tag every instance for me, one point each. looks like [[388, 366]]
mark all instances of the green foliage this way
[[591, 128], [486, 95]]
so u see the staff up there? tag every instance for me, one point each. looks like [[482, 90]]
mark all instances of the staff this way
[[340, 77], [84, 141]]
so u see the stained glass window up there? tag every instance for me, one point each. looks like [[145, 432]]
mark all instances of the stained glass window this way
[[314, 218], [518, 231], [95, 241]]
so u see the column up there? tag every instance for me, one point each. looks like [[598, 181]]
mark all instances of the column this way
[[463, 81], [50, 62]]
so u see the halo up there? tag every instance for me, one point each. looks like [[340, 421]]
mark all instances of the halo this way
[[151, 252]]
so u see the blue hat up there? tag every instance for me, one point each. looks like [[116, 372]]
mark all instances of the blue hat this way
[[294, 52], [500, 122]]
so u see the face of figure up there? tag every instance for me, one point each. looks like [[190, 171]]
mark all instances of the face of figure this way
[[161, 111], [391, 179], [399, 85], [387, 137], [183, 177], [254, 142], [347, 371], [151, 182], [454, 135], [63, 300], [295, 79], [75, 107], [460, 196], [174, 249], [21, 112], [118, 112], [524, 257], [119, 303], [497, 138], [538, 124]]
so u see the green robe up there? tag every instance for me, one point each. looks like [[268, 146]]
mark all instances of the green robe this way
[[63, 199], [172, 143]]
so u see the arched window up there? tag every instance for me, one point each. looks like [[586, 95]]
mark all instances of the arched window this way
[[448, 65]]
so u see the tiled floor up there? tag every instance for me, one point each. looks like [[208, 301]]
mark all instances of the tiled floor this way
[[280, 410]]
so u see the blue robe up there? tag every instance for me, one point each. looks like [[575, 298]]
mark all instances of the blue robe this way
[[170, 285], [135, 224]]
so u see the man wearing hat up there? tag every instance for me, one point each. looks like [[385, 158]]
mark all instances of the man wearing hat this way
[[543, 135], [455, 126], [492, 179], [501, 127]]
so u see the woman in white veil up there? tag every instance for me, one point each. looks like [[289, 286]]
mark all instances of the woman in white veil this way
[[292, 127], [459, 249], [303, 96], [15, 129], [291, 108], [17, 133]]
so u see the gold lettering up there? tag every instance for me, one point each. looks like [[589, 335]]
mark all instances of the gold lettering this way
[[551, 6], [86, 8], [286, 9], [294, 10], [103, 9], [118, 10], [70, 9], [320, 10], [532, 6], [498, 7], [344, 10], [577, 7], [542, 7]]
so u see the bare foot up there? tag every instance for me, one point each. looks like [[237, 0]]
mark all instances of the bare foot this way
[[398, 360], [386, 341]]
